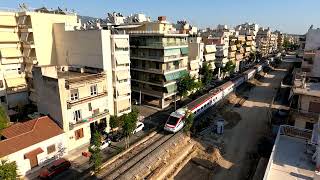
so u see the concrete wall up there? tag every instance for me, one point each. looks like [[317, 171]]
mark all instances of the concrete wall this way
[[315, 69], [305, 101], [43, 158]]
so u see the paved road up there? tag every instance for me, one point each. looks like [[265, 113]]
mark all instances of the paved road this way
[[241, 140]]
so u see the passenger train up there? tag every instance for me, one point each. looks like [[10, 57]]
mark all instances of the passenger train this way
[[176, 122]]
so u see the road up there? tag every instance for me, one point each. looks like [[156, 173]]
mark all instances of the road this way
[[241, 140]]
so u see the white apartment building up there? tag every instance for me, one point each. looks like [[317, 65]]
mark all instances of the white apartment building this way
[[76, 98], [196, 50]]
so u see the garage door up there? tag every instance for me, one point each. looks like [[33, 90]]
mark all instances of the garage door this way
[[314, 107]]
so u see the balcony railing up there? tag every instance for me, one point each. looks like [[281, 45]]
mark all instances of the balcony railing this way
[[304, 114], [159, 58], [161, 44], [93, 118], [85, 99]]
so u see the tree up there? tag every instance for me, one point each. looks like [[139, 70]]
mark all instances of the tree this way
[[186, 84], [129, 124], [188, 121], [4, 119], [229, 67], [114, 122], [94, 149], [207, 74], [8, 171]]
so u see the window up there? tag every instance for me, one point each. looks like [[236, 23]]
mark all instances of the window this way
[[93, 90], [51, 149], [77, 115], [1, 84], [74, 95], [89, 106], [78, 134]]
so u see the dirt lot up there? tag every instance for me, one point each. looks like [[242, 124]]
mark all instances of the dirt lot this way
[[240, 141]]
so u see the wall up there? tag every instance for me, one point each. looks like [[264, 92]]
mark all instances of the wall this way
[[315, 70], [20, 98], [42, 26], [43, 158], [312, 39], [305, 100]]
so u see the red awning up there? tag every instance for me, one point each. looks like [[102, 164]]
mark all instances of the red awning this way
[[33, 153]]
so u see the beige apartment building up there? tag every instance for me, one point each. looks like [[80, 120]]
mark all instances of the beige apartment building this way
[[159, 57], [76, 98], [196, 59], [26, 40], [263, 41]]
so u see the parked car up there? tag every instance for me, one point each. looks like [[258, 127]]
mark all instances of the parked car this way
[[117, 137], [139, 127], [104, 144], [55, 168]]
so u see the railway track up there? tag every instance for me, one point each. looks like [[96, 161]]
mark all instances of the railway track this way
[[133, 157]]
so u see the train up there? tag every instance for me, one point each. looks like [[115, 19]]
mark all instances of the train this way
[[175, 121]]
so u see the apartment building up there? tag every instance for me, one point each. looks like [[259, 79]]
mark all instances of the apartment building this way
[[305, 104], [210, 55], [76, 98], [263, 40], [99, 48], [159, 57], [196, 58], [27, 39], [280, 39]]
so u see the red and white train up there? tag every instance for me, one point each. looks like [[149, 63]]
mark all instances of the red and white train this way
[[176, 122]]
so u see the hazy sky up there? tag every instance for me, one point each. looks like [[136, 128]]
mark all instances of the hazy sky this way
[[291, 16]]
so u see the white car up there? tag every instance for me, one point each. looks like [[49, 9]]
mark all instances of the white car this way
[[139, 127], [104, 144]]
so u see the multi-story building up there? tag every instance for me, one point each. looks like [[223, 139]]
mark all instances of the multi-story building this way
[[159, 57], [280, 39], [263, 40], [99, 48], [76, 98], [27, 39], [305, 104], [210, 55], [196, 59]]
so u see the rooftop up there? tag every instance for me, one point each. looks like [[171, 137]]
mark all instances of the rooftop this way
[[23, 135], [305, 88], [289, 158]]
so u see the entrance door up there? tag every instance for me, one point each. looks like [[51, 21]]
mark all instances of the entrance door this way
[[33, 161]]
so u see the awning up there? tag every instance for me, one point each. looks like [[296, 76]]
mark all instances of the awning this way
[[123, 89], [16, 82], [172, 52], [33, 153], [213, 65], [210, 48], [121, 75], [194, 66], [210, 57], [184, 50], [122, 59], [175, 75], [122, 43], [171, 88], [8, 21], [123, 104], [10, 52]]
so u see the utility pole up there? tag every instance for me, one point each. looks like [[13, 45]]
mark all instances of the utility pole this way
[[175, 101], [140, 97]]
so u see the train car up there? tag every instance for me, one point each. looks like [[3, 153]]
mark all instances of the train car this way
[[258, 67], [237, 81], [175, 121], [249, 74]]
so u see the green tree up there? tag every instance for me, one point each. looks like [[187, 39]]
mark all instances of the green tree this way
[[8, 171], [229, 67], [94, 149], [129, 124], [188, 121], [114, 122], [207, 74], [4, 119], [186, 84]]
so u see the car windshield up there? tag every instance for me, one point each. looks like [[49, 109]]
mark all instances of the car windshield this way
[[52, 168], [172, 120]]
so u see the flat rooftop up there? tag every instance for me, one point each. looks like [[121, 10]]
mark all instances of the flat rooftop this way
[[289, 159], [311, 89]]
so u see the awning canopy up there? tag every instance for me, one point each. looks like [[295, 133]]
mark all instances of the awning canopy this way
[[16, 82], [10, 52], [123, 104], [184, 50], [122, 43], [172, 52], [210, 48], [123, 89], [175, 75], [171, 88], [210, 57], [121, 75], [122, 59], [33, 153]]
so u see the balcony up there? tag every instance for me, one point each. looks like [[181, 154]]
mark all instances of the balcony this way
[[160, 45], [159, 58], [93, 118], [86, 99], [304, 115]]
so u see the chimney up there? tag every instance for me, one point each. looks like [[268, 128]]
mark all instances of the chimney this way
[[162, 18]]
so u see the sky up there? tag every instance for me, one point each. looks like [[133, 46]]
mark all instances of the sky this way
[[289, 16]]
